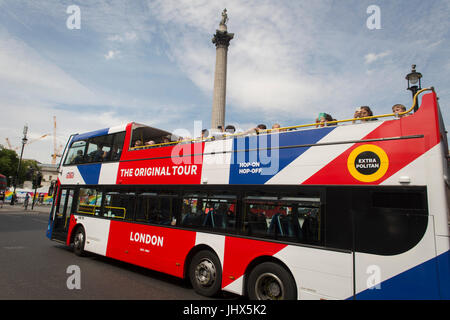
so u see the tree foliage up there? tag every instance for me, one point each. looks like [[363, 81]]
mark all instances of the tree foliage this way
[[8, 165]]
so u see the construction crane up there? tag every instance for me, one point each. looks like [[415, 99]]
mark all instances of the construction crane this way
[[29, 142], [56, 149], [9, 143]]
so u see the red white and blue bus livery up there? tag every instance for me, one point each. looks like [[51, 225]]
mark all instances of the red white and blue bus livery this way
[[344, 211]]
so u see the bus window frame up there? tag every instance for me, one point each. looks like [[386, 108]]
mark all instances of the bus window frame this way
[[114, 137]]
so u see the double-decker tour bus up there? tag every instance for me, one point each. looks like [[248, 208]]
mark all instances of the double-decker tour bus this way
[[344, 211]]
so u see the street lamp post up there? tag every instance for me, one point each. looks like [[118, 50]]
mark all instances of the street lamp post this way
[[36, 184], [413, 77], [24, 141]]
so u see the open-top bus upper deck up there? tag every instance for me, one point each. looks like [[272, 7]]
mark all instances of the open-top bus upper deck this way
[[371, 153]]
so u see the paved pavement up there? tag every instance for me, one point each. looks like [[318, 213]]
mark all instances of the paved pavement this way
[[33, 267], [38, 209]]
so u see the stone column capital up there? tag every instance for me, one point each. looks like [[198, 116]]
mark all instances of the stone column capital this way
[[222, 38]]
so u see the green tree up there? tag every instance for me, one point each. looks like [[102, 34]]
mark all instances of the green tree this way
[[8, 163]]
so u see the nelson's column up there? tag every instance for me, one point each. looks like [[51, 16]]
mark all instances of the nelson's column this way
[[222, 40]]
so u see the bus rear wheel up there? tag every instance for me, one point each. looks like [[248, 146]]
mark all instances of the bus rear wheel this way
[[205, 273], [271, 281]]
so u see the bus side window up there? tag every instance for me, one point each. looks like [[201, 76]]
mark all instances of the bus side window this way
[[76, 153], [98, 148], [220, 212], [295, 219], [256, 218], [193, 214], [216, 212], [310, 224], [164, 212], [117, 146], [89, 202], [119, 205]]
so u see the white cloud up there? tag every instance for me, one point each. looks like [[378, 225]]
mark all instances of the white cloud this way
[[112, 54], [126, 37], [31, 88], [265, 60], [288, 61], [39, 119], [27, 77], [372, 57]]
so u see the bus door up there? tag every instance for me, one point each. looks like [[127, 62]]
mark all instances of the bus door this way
[[63, 210]]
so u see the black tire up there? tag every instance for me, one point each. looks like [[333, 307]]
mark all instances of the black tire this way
[[271, 281], [205, 273], [79, 240]]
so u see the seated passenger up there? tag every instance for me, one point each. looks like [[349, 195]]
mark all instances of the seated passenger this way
[[79, 157], [113, 154], [150, 143], [323, 119], [363, 112], [205, 134], [218, 133], [260, 128], [230, 129], [276, 127], [398, 108], [184, 140], [138, 143], [97, 155]]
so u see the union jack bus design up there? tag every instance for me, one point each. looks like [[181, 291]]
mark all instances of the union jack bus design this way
[[348, 211]]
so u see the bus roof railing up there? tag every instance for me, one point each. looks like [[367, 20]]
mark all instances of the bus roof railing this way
[[289, 128]]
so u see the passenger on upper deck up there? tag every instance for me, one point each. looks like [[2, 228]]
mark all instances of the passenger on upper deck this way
[[362, 112], [205, 134], [79, 157], [138, 143], [230, 129], [98, 154], [260, 128], [276, 127], [113, 154], [166, 140], [218, 133], [398, 108], [323, 120]]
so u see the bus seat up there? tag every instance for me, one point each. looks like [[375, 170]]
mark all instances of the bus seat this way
[[275, 226], [208, 221], [185, 219], [295, 228], [220, 220], [257, 227]]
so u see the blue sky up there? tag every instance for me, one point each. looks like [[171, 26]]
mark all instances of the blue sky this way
[[153, 62]]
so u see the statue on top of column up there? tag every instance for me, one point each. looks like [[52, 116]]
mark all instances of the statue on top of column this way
[[224, 20]]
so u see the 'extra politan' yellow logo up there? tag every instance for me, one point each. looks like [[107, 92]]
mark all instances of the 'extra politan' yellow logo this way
[[367, 163]]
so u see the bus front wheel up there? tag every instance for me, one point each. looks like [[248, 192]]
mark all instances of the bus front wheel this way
[[271, 281], [205, 273], [78, 241]]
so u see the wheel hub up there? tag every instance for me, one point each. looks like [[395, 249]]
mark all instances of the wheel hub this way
[[269, 287], [78, 240], [205, 273]]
